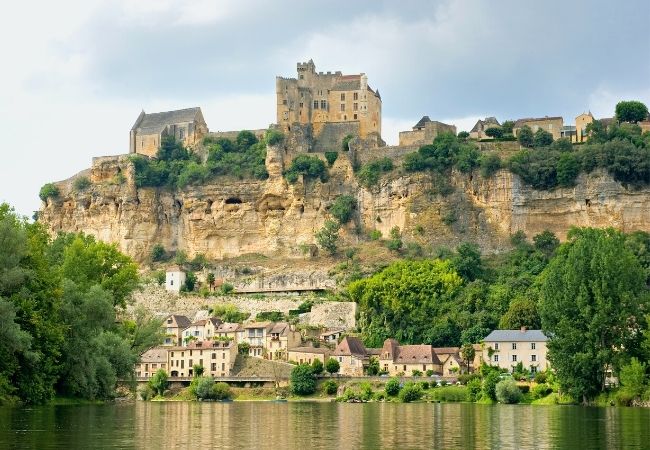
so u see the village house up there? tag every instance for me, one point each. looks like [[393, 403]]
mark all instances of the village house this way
[[352, 356], [150, 362], [406, 359], [507, 348], [185, 125], [217, 357], [228, 330], [551, 124], [331, 336], [307, 355], [173, 326], [269, 340], [478, 131], [451, 360], [424, 132], [201, 330], [174, 279]]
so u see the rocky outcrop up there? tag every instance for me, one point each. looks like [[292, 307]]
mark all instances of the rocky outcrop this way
[[228, 218]]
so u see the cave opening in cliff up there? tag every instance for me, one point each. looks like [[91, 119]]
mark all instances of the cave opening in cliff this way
[[233, 201]]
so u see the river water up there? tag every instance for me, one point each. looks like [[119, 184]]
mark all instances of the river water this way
[[309, 426]]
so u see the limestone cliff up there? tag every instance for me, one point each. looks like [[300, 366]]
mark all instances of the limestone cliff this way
[[228, 218]]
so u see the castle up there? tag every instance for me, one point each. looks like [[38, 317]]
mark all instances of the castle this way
[[320, 99]]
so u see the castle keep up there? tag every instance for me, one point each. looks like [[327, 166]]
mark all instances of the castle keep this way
[[321, 99]]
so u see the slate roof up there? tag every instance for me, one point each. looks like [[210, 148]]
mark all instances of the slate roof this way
[[350, 345], [521, 122], [516, 336], [279, 328], [156, 122], [181, 321], [154, 355], [421, 122]]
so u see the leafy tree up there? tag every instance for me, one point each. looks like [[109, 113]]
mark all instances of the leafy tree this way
[[401, 301], [633, 378], [489, 164], [568, 169], [331, 158], [245, 139], [392, 387], [525, 136], [328, 236], [411, 392], [467, 159], [317, 366], [521, 313], [507, 126], [273, 137], [181, 257], [463, 135], [631, 111], [373, 367], [343, 208], [592, 297], [158, 253], [13, 342], [546, 242], [508, 392], [49, 190], [302, 380], [371, 172], [468, 261], [190, 282], [494, 132], [158, 382], [395, 242], [490, 382], [542, 138], [332, 366], [330, 387], [172, 150], [310, 167], [468, 353], [210, 279]]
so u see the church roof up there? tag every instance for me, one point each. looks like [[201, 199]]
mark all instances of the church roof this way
[[156, 122]]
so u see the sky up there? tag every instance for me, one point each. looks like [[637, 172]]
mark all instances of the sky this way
[[78, 72]]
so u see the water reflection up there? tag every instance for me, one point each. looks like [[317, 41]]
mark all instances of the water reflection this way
[[311, 426]]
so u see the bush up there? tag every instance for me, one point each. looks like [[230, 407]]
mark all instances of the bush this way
[[158, 253], [332, 366], [243, 348], [345, 143], [343, 208], [330, 387], [430, 372], [221, 391], [327, 237], [424, 385], [366, 391], [489, 163], [542, 138], [540, 377], [508, 392], [525, 136], [81, 184], [451, 394], [229, 313], [190, 281], [309, 166], [463, 135], [302, 380], [494, 132], [392, 387], [317, 366], [226, 289], [160, 277], [203, 387], [273, 137], [395, 242], [474, 389], [158, 383], [375, 235], [541, 391], [416, 373], [490, 384], [49, 190], [410, 392], [370, 173], [331, 157]]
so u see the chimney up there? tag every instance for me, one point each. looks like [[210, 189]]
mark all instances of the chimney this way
[[523, 329]]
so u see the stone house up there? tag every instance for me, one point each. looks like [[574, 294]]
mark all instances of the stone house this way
[[217, 357], [201, 330], [424, 132], [644, 125], [269, 340], [553, 125], [507, 348], [150, 362], [228, 330], [317, 99], [404, 359], [478, 131], [582, 121], [331, 336], [173, 327], [451, 360], [185, 125], [174, 279], [307, 355], [352, 356]]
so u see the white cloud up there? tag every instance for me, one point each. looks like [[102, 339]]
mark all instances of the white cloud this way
[[603, 100]]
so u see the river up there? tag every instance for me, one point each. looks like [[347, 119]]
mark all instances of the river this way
[[310, 426]]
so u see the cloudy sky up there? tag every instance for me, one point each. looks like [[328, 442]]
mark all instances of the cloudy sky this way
[[77, 73]]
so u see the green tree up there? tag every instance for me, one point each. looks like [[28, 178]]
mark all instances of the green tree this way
[[508, 392], [395, 242], [542, 138], [521, 313], [273, 137], [490, 382], [331, 158], [345, 144], [463, 135], [392, 387], [401, 301], [410, 392], [317, 366], [568, 169], [489, 164], [592, 297], [330, 387], [631, 111], [158, 253], [158, 382], [494, 132], [190, 281], [245, 139], [468, 262], [328, 236], [525, 136], [373, 367], [507, 126], [468, 353], [310, 167], [302, 380], [210, 279], [343, 208], [332, 366], [49, 190]]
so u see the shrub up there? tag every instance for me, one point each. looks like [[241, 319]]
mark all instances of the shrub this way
[[307, 165], [227, 288], [332, 366], [395, 242], [302, 380], [463, 135], [229, 313], [158, 253], [508, 392], [331, 157], [375, 235], [489, 164], [158, 383], [473, 389], [373, 367], [632, 377], [317, 366], [273, 137], [327, 237], [180, 257], [366, 391], [221, 391], [542, 138], [345, 143], [490, 383], [392, 387], [424, 385], [203, 387], [541, 391], [371, 172], [271, 316], [451, 394], [190, 281], [343, 208], [525, 136], [430, 372], [416, 373], [540, 377], [146, 392], [160, 277], [330, 387], [81, 184], [410, 392], [494, 132], [49, 190], [243, 348]]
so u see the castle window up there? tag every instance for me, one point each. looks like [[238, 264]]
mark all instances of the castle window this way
[[355, 117], [323, 104], [343, 97], [342, 106], [284, 102], [315, 104], [356, 96], [181, 134], [302, 77], [300, 104], [355, 106]]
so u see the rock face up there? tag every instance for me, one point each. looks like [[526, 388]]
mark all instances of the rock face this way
[[228, 218]]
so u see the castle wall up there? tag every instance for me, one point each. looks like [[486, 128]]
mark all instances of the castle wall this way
[[331, 135]]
